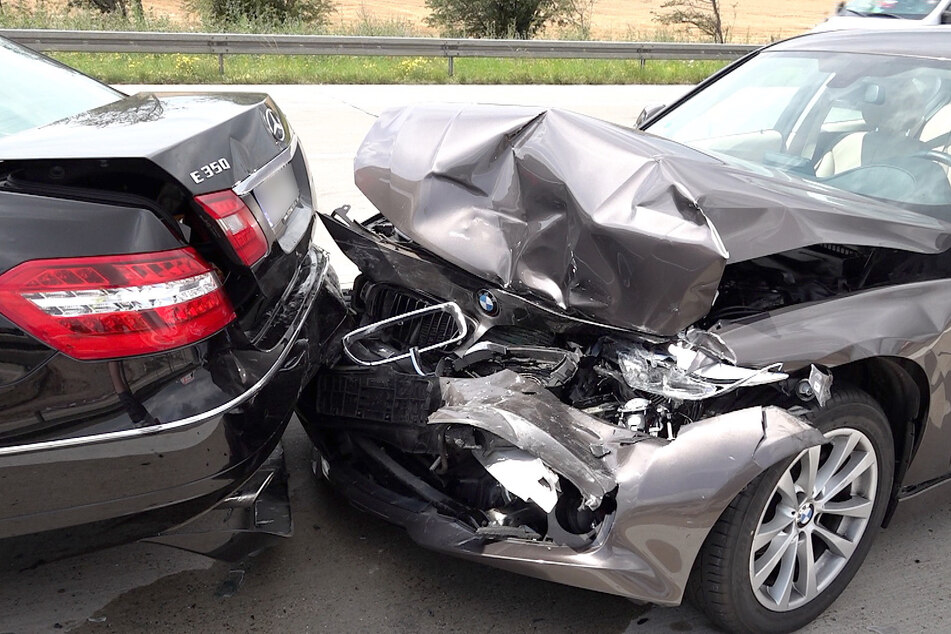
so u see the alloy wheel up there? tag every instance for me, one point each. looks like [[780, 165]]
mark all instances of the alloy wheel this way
[[814, 520]]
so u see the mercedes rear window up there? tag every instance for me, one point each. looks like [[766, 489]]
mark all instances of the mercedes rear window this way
[[35, 90]]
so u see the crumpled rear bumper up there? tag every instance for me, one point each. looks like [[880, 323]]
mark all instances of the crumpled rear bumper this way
[[245, 522], [668, 494]]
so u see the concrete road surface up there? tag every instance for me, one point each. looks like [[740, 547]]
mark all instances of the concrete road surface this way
[[345, 571]]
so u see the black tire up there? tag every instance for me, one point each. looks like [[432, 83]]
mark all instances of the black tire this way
[[725, 583]]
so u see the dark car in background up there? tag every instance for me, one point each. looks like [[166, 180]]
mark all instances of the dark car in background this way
[[706, 359], [157, 322]]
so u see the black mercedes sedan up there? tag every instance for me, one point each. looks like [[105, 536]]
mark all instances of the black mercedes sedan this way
[[157, 284]]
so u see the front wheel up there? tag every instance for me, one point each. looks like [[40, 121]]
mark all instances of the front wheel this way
[[790, 543]]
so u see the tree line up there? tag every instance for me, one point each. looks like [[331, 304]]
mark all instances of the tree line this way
[[519, 19]]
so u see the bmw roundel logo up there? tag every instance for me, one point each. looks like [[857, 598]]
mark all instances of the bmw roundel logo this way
[[805, 515], [488, 303]]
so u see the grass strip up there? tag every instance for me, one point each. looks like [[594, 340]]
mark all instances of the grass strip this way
[[308, 69]]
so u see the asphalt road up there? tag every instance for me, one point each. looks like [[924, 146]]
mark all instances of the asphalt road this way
[[346, 571]]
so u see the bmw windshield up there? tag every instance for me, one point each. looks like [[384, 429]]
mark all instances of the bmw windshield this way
[[870, 124], [35, 91]]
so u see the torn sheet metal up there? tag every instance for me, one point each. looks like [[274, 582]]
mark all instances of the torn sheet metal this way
[[522, 475], [669, 495], [578, 446], [580, 212]]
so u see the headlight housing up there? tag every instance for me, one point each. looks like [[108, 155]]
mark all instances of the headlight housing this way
[[682, 372]]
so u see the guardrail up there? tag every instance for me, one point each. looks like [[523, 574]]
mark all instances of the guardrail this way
[[222, 44]]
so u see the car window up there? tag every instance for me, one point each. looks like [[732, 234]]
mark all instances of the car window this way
[[740, 103], [36, 90], [907, 9], [866, 123], [749, 109]]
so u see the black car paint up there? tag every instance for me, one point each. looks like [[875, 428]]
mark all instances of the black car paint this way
[[99, 453], [178, 132], [72, 228], [97, 464]]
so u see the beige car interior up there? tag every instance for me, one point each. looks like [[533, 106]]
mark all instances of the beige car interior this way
[[892, 127]]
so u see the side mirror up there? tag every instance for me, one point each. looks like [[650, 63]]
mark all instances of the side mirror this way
[[648, 113], [946, 16]]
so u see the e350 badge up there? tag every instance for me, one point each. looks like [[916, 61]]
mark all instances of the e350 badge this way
[[214, 168]]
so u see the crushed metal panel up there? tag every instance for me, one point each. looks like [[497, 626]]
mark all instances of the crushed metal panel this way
[[541, 201], [670, 494], [518, 410], [580, 212]]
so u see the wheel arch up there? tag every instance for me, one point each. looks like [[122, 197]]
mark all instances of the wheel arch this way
[[901, 387]]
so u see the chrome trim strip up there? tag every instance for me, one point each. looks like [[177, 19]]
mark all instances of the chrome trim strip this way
[[252, 180], [451, 308], [191, 420]]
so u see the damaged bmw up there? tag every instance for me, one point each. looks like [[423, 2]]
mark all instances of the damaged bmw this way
[[705, 359]]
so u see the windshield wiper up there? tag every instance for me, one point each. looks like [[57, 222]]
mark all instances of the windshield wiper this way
[[870, 14]]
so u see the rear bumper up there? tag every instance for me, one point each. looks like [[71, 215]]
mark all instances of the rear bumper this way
[[248, 520], [103, 486]]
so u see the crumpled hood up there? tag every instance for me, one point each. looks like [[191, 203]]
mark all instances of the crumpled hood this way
[[180, 132], [607, 223]]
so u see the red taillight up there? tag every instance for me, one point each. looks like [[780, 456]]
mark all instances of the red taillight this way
[[116, 305], [239, 224]]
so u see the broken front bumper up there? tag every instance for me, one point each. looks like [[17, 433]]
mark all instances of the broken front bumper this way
[[664, 496]]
